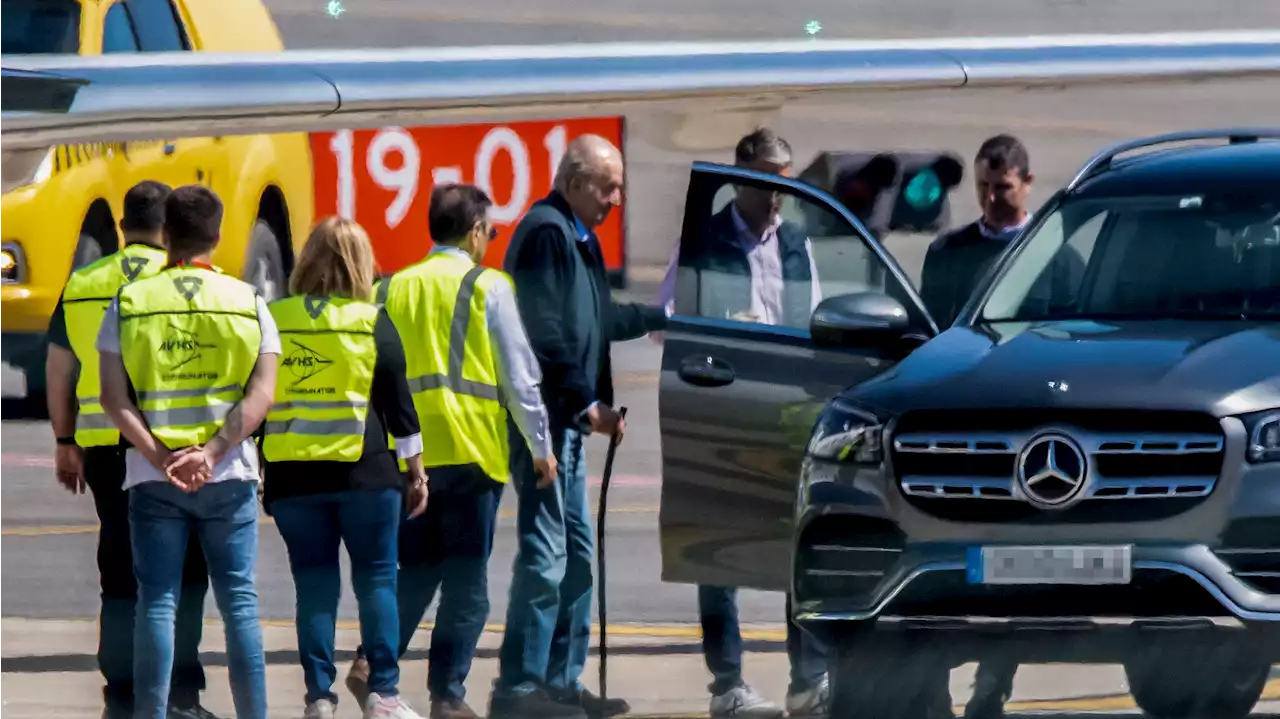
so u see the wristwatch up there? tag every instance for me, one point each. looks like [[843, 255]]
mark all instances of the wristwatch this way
[[65, 440]]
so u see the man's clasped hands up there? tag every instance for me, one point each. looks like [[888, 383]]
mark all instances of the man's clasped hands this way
[[187, 468]]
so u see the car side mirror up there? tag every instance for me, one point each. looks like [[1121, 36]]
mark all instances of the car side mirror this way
[[866, 317]]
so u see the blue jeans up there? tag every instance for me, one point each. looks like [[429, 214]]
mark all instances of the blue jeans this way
[[225, 517], [549, 614], [722, 643], [313, 526], [104, 471], [448, 548]]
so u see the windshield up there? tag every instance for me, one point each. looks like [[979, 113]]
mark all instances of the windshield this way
[[40, 26], [1195, 256]]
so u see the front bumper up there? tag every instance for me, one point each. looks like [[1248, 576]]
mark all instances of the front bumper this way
[[864, 550]]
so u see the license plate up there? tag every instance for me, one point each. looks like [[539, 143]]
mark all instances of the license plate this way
[[1050, 565]]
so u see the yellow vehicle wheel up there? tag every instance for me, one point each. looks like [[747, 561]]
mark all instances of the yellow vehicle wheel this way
[[88, 250], [264, 263]]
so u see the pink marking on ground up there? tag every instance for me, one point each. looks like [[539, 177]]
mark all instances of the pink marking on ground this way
[[627, 481], [10, 459]]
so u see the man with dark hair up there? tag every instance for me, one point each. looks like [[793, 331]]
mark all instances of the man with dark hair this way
[[193, 221], [444, 301], [90, 452], [761, 269], [187, 367], [957, 260]]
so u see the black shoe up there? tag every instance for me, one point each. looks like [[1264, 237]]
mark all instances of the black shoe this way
[[537, 704], [194, 711], [595, 707]]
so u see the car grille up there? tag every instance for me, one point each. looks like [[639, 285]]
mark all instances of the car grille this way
[[1166, 458]]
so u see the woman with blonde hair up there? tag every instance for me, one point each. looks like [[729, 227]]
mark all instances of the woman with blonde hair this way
[[330, 476]]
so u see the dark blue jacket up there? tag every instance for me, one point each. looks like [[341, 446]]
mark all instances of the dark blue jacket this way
[[725, 272], [562, 289]]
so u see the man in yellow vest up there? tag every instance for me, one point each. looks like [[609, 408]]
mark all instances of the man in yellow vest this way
[[198, 350], [89, 452], [469, 366]]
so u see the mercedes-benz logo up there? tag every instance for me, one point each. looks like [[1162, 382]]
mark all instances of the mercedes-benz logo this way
[[1052, 470]]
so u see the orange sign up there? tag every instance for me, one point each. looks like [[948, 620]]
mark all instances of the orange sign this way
[[382, 178]]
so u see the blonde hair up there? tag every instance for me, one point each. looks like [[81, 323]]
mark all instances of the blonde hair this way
[[337, 261]]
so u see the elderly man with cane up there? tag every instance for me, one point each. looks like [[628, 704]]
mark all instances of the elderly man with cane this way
[[563, 294]]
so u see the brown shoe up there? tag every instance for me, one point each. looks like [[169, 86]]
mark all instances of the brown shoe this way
[[452, 709], [358, 681]]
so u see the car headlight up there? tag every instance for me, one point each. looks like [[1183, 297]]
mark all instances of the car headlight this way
[[847, 433], [12, 263], [1264, 437], [26, 167]]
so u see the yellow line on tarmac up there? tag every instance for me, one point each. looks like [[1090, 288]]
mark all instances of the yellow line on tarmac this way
[[656, 631], [653, 631], [55, 530]]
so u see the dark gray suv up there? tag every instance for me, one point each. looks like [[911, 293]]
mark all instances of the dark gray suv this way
[[1084, 467]]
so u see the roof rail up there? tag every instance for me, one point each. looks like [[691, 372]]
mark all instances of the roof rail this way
[[1102, 160]]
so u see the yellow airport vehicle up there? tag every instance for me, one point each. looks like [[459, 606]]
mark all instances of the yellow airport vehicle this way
[[60, 208]]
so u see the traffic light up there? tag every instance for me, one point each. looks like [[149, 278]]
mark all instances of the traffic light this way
[[890, 191]]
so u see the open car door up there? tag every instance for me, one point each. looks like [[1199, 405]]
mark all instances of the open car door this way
[[740, 393]]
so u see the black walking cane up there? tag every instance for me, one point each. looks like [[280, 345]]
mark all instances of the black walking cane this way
[[602, 604]]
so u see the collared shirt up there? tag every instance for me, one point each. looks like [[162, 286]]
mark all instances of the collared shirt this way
[[1004, 233], [583, 233], [518, 374], [240, 462], [764, 256]]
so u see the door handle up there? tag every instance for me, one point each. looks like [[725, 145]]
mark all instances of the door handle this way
[[706, 371], [170, 148]]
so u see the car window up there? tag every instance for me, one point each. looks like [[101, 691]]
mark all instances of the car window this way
[[118, 34], [157, 25], [1147, 258], [39, 27], [810, 253]]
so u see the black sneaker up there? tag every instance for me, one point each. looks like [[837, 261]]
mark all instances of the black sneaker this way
[[595, 707], [537, 704], [194, 711]]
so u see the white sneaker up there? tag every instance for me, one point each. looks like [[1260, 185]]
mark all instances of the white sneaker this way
[[814, 702], [743, 702], [320, 709], [378, 707]]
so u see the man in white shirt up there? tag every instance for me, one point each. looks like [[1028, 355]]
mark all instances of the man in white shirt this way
[[761, 269]]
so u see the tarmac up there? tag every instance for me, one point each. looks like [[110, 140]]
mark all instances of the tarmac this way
[[50, 673]]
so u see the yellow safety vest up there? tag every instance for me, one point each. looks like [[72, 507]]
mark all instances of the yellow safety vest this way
[[438, 307], [84, 301], [190, 339], [325, 379]]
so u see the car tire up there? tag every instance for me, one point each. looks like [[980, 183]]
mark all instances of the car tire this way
[[88, 250], [1188, 681], [264, 264], [889, 675]]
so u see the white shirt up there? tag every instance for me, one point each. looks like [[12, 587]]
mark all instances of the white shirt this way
[[240, 462], [764, 257]]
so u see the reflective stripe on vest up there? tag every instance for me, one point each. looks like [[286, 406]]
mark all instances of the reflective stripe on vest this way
[[190, 338], [324, 380], [84, 302], [438, 307]]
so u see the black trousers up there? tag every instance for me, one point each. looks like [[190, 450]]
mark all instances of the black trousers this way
[[104, 471]]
